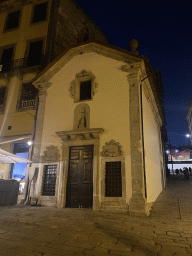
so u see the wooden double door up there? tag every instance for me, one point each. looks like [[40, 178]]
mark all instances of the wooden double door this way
[[80, 177]]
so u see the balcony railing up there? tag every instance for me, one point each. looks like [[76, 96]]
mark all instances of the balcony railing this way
[[23, 63], [27, 103]]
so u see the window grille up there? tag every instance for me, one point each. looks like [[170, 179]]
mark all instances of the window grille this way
[[50, 175], [40, 12], [113, 179], [13, 20], [28, 96], [2, 97], [85, 90]]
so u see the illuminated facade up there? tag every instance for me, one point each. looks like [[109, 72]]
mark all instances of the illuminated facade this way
[[32, 33], [99, 111], [97, 131]]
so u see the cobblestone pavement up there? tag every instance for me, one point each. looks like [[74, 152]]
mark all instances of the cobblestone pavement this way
[[43, 231]]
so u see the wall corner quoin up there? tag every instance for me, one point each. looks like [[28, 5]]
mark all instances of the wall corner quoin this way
[[138, 206]]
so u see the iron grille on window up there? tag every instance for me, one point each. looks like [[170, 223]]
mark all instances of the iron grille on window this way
[[85, 90], [113, 179], [50, 175], [2, 97], [28, 95]]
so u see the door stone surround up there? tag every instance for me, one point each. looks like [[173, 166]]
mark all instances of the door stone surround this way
[[83, 137]]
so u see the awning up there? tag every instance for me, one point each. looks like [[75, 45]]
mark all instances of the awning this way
[[8, 158]]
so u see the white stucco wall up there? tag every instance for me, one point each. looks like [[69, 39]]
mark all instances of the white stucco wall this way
[[152, 152], [109, 108]]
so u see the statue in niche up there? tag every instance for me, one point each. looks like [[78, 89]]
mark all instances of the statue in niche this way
[[81, 117], [82, 123]]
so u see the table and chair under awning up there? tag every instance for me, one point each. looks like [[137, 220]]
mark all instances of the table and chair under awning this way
[[9, 189]]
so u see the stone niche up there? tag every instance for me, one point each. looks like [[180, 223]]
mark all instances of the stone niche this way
[[81, 117]]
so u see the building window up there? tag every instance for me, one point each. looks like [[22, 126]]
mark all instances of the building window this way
[[113, 179], [85, 90], [83, 87], [34, 53], [6, 58], [50, 175], [12, 21], [2, 98], [40, 12], [28, 96]]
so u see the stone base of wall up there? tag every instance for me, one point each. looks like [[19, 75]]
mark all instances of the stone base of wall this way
[[114, 205], [20, 199], [50, 201], [138, 206], [149, 207]]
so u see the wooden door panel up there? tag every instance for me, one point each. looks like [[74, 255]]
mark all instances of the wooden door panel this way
[[73, 174], [74, 155], [88, 174], [80, 177], [88, 154]]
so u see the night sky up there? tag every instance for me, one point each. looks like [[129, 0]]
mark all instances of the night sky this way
[[163, 30]]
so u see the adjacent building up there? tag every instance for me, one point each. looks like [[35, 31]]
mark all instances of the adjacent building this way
[[32, 33]]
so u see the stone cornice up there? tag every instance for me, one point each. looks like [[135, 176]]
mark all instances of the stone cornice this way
[[135, 70], [84, 134], [42, 87]]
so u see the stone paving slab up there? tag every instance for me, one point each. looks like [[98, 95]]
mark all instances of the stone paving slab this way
[[45, 231]]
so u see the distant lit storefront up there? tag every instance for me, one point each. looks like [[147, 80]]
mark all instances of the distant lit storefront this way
[[179, 159]]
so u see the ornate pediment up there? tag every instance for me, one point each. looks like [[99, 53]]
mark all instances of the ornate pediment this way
[[111, 149], [85, 134], [51, 154]]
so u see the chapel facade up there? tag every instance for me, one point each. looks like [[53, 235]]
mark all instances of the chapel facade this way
[[98, 141]]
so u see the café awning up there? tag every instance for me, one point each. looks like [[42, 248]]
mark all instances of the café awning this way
[[8, 158]]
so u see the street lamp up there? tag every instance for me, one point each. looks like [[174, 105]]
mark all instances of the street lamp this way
[[187, 136]]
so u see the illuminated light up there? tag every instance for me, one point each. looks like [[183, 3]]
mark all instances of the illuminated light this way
[[29, 142], [176, 151], [167, 151], [187, 135]]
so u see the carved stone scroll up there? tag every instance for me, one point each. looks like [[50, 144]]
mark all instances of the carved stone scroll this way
[[51, 154], [111, 149]]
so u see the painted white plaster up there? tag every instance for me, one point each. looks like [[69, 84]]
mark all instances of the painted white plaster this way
[[152, 152]]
